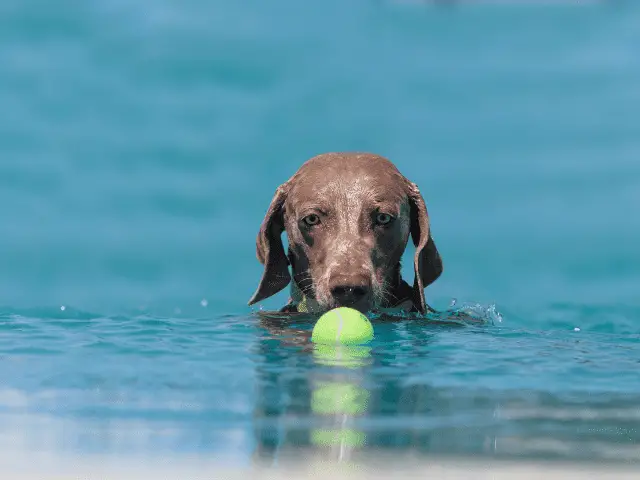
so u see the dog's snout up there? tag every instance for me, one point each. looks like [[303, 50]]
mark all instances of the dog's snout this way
[[349, 291]]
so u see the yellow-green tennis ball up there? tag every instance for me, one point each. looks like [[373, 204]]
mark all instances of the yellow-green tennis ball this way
[[342, 325]]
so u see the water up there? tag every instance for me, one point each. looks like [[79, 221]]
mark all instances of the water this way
[[140, 144]]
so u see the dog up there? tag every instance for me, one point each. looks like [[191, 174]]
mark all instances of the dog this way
[[347, 217]]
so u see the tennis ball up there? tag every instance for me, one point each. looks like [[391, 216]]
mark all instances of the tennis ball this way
[[342, 325]]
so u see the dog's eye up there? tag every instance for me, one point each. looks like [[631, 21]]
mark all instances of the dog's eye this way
[[311, 220], [383, 218]]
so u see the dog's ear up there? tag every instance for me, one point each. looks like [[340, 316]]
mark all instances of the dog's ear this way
[[427, 263], [270, 250]]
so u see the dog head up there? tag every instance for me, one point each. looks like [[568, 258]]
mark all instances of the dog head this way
[[348, 218]]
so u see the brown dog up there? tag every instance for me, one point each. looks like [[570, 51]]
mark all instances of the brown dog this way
[[348, 217]]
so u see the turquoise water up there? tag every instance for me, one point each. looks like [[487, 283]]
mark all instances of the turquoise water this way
[[141, 142]]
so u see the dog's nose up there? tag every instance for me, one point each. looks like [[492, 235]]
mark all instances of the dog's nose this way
[[349, 294]]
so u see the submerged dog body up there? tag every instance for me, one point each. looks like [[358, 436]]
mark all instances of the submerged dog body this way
[[348, 218]]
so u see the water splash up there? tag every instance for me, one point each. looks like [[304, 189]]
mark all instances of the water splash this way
[[462, 314], [477, 312]]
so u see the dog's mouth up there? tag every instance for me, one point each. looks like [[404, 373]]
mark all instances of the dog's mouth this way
[[317, 302], [363, 306], [353, 296], [364, 295]]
